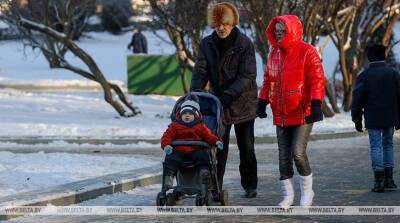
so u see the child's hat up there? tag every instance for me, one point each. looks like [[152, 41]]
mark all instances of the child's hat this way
[[191, 105]]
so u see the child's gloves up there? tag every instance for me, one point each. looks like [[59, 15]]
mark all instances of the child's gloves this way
[[219, 145], [168, 149]]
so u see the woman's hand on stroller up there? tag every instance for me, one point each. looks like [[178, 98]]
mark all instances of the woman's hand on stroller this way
[[168, 149], [219, 145]]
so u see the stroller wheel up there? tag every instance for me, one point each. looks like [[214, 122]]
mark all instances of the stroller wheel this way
[[224, 198], [171, 199], [178, 198], [160, 200], [201, 201], [215, 196]]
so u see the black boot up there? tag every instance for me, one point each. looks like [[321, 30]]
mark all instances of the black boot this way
[[167, 183], [250, 193], [379, 186], [389, 182]]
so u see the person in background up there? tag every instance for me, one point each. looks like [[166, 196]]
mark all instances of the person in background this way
[[376, 95], [138, 42]]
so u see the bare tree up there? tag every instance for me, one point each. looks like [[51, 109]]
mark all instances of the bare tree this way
[[115, 15], [68, 17], [352, 25], [56, 42], [184, 25]]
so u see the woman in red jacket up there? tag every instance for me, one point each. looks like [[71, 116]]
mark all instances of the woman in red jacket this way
[[294, 86]]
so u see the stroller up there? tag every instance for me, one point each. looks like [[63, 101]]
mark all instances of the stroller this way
[[187, 178]]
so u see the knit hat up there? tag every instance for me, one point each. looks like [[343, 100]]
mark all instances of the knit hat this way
[[223, 13], [190, 105], [376, 52]]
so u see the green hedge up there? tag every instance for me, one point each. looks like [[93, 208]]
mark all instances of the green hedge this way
[[155, 74]]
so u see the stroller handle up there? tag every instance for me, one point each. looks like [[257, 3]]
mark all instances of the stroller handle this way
[[190, 143]]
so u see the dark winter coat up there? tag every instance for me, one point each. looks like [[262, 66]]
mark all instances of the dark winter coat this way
[[139, 43], [377, 96], [233, 73]]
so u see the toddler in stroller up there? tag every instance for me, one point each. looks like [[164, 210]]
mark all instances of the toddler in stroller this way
[[188, 144]]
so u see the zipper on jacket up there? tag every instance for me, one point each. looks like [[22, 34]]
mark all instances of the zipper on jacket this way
[[225, 59], [304, 112], [281, 76]]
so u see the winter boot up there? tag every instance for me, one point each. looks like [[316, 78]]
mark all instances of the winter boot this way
[[205, 175], [307, 193], [250, 193], [379, 186], [389, 182], [288, 193]]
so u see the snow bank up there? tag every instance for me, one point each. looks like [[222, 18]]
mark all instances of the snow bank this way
[[26, 172], [27, 114]]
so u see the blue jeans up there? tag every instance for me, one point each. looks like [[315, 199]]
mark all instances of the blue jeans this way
[[381, 141]]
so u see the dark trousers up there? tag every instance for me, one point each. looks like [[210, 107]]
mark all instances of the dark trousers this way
[[248, 163], [175, 160], [292, 143]]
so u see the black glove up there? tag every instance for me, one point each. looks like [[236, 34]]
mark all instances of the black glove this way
[[261, 107], [129, 47], [359, 126], [226, 100], [316, 112], [397, 127]]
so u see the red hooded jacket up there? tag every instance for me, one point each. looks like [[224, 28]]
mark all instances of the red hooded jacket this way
[[293, 74], [181, 132]]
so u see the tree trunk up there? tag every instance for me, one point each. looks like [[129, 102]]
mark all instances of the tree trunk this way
[[182, 73], [94, 73], [108, 96], [53, 61], [331, 96], [347, 98], [327, 111]]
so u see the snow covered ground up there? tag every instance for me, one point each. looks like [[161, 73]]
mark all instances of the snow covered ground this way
[[71, 114], [32, 171], [88, 115]]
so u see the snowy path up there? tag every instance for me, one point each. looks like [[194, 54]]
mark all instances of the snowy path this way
[[342, 174]]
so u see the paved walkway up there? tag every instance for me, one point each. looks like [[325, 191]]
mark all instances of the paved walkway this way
[[343, 176]]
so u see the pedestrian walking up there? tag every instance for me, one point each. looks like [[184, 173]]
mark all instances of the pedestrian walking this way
[[138, 42], [294, 86], [226, 60], [376, 96]]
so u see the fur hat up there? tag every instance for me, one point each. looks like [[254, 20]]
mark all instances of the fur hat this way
[[376, 52], [223, 13], [191, 105]]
